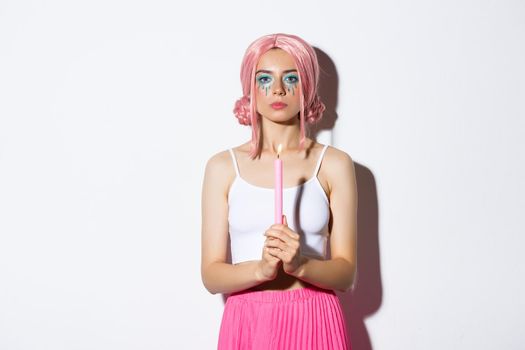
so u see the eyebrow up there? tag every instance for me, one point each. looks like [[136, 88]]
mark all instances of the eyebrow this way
[[269, 71]]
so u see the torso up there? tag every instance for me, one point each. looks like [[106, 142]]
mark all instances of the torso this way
[[258, 174]]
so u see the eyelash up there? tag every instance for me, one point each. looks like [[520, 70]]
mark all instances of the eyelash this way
[[296, 79], [261, 79]]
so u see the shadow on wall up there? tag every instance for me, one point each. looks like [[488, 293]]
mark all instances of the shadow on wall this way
[[365, 299]]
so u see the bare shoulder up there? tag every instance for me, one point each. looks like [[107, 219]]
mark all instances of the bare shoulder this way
[[219, 170], [337, 156], [219, 161], [222, 162], [338, 167]]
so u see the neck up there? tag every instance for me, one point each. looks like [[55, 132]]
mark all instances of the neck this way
[[286, 134]]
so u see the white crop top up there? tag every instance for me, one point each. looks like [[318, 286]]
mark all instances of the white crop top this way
[[251, 213]]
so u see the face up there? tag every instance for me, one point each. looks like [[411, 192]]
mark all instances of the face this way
[[277, 81]]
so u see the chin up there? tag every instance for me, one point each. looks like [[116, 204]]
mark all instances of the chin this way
[[280, 115]]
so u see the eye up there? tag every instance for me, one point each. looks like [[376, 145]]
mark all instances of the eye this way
[[291, 79], [264, 79]]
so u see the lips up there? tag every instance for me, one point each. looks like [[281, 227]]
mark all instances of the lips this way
[[278, 105]]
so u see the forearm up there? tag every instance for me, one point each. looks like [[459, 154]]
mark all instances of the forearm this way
[[227, 278], [336, 274]]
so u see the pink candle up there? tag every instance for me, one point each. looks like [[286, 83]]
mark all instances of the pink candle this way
[[278, 172]]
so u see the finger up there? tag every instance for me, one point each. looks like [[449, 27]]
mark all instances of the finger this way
[[285, 234], [273, 259], [279, 234], [292, 234], [285, 222], [275, 252], [276, 243], [266, 254], [285, 229]]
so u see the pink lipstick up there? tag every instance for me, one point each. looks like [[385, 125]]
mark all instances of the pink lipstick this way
[[278, 105]]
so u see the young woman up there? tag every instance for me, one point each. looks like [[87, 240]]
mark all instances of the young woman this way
[[280, 282]]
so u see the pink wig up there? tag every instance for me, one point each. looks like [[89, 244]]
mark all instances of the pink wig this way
[[308, 70]]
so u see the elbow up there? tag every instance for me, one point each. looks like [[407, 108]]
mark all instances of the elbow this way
[[212, 291], [207, 281], [351, 285], [350, 280], [348, 286], [209, 288]]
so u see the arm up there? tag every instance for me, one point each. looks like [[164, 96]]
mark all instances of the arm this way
[[217, 275], [339, 272]]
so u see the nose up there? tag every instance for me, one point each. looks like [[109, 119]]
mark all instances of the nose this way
[[279, 88]]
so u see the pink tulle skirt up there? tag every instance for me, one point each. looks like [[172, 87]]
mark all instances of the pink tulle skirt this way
[[302, 319]]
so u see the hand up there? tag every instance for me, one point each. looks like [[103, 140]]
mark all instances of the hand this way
[[268, 265], [285, 246]]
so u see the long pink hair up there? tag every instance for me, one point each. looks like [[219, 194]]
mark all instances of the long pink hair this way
[[305, 59]]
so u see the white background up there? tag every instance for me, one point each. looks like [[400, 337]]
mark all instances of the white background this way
[[109, 111]]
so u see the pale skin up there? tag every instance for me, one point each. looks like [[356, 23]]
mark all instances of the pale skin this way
[[281, 266]]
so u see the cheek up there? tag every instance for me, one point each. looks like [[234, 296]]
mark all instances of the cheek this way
[[264, 90], [260, 102], [295, 95], [292, 89]]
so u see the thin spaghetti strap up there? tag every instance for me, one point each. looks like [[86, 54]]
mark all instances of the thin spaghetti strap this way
[[234, 161], [320, 160]]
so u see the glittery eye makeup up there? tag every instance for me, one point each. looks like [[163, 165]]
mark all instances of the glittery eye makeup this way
[[291, 81], [265, 81]]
